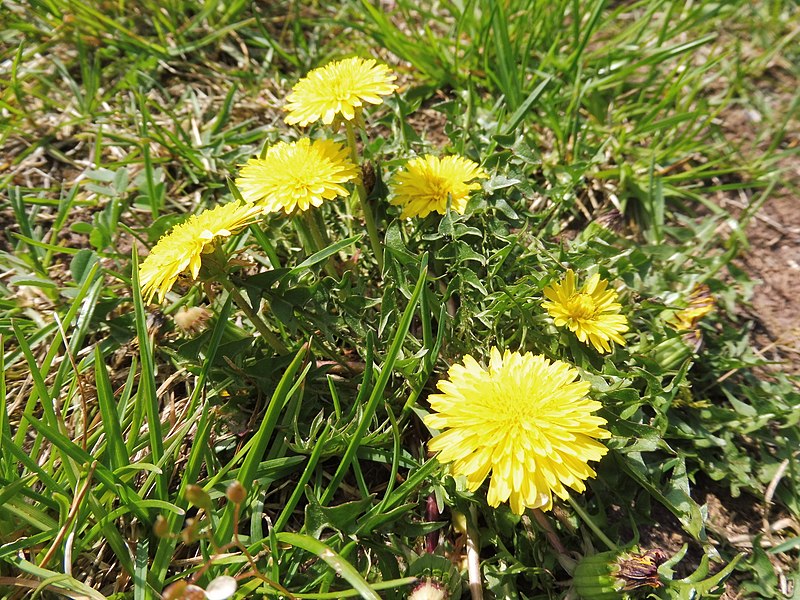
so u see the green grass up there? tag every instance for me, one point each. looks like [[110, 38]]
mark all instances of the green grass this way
[[122, 436]]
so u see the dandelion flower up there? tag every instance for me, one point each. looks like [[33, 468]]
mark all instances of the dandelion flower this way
[[592, 312], [701, 304], [526, 420], [687, 320], [339, 88], [297, 175], [428, 183], [181, 249]]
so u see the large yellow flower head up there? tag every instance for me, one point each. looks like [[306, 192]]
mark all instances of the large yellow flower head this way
[[592, 312], [296, 175], [428, 183], [526, 420], [181, 249], [340, 88]]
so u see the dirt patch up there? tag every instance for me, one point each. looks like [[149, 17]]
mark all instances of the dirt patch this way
[[773, 256], [774, 259]]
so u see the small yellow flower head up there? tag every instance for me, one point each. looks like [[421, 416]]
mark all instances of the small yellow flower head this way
[[428, 182], [592, 312], [339, 89], [296, 175], [701, 304], [181, 249], [526, 420]]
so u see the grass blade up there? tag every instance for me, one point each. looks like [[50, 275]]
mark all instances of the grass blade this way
[[380, 385], [337, 563]]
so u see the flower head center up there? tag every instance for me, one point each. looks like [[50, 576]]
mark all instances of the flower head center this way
[[581, 306], [516, 406], [439, 188]]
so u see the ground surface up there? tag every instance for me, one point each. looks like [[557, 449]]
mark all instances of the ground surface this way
[[772, 256], [773, 232]]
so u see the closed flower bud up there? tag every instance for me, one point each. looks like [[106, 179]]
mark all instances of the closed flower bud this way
[[189, 533], [236, 493], [194, 592], [161, 527], [671, 353], [198, 497], [175, 591]]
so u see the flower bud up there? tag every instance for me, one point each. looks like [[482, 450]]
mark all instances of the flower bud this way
[[175, 591], [194, 592], [236, 493], [161, 527], [608, 575], [198, 497]]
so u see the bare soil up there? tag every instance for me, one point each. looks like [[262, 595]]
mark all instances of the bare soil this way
[[774, 259]]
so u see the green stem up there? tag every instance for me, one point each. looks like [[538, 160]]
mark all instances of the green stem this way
[[369, 218], [268, 336], [588, 520], [319, 239]]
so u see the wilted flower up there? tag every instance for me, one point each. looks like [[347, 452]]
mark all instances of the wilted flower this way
[[192, 319], [608, 575], [429, 183], [592, 312], [526, 420], [428, 589], [182, 248], [701, 304], [296, 175], [339, 89]]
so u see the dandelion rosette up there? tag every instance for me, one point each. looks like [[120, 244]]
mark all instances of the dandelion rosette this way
[[297, 175], [340, 88], [526, 420], [182, 248], [428, 183], [592, 312]]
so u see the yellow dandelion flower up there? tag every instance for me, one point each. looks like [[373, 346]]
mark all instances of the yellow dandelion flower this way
[[701, 304], [340, 88], [526, 420], [297, 175], [592, 312], [181, 249], [428, 182]]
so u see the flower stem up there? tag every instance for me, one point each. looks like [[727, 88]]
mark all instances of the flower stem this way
[[592, 525], [268, 336], [474, 559], [369, 218], [320, 240]]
